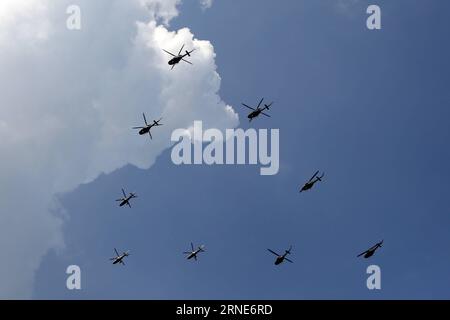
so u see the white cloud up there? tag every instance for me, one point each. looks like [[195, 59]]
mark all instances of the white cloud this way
[[69, 100], [206, 4]]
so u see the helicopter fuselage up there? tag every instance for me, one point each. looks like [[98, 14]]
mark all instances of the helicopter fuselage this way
[[124, 202], [119, 259], [254, 114], [280, 259], [192, 255], [175, 60], [307, 186], [144, 130]]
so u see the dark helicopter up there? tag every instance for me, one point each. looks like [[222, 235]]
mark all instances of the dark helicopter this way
[[281, 258], [119, 257], [308, 185], [256, 112], [147, 128], [368, 253], [126, 199], [180, 57], [194, 252]]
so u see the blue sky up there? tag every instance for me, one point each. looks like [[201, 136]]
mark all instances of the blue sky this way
[[370, 108]]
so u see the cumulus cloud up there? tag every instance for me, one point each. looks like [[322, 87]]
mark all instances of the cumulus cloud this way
[[69, 100]]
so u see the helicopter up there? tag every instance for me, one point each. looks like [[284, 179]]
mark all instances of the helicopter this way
[[193, 253], [368, 253], [126, 199], [148, 127], [308, 185], [280, 258], [180, 57], [119, 257], [256, 112]]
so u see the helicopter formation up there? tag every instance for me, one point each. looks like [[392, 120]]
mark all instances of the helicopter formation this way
[[255, 113]]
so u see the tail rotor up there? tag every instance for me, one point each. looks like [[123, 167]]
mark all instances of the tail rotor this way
[[188, 53], [320, 178], [267, 106]]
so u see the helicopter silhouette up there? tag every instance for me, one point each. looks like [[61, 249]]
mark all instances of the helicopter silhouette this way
[[256, 112], [179, 57], [280, 258], [126, 199], [368, 253], [146, 129], [308, 185]]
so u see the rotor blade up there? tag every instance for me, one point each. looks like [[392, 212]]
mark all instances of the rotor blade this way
[[150, 135], [169, 53], [192, 246], [138, 127], [288, 260], [124, 194], [187, 61], [195, 257], [128, 203], [259, 104], [123, 263], [145, 119], [265, 114], [187, 252], [247, 106], [116, 252], [173, 66], [181, 50], [274, 252], [315, 174]]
